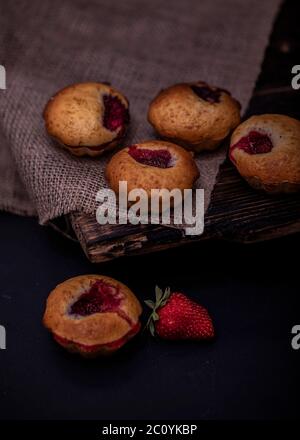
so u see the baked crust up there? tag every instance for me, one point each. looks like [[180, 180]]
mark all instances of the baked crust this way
[[278, 170], [74, 118], [182, 175], [98, 329], [180, 115]]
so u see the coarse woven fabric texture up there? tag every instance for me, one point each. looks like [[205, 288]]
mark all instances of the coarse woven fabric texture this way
[[139, 46]]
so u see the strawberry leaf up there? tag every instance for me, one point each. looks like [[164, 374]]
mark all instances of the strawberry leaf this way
[[167, 294], [155, 316], [152, 328], [150, 303], [158, 294], [161, 299]]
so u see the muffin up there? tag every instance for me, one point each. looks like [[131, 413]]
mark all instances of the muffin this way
[[195, 115], [152, 165], [266, 151], [87, 118], [92, 315]]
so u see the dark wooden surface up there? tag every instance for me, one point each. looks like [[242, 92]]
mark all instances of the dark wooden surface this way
[[237, 212]]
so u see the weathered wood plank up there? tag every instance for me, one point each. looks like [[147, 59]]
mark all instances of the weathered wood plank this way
[[236, 213]]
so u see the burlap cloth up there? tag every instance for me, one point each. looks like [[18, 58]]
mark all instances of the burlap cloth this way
[[139, 46]]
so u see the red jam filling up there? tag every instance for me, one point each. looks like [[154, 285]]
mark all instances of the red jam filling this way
[[207, 93], [101, 297], [116, 115], [254, 143], [110, 345], [154, 158]]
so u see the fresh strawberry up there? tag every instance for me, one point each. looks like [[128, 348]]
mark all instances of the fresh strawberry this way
[[175, 316]]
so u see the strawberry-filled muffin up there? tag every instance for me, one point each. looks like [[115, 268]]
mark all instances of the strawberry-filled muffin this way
[[87, 118], [266, 151], [92, 315], [152, 165], [195, 115]]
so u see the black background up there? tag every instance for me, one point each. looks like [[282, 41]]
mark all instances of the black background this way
[[252, 291], [250, 371]]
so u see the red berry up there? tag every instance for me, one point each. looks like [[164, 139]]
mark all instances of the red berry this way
[[175, 316], [115, 113], [101, 297], [254, 143], [154, 158], [207, 93]]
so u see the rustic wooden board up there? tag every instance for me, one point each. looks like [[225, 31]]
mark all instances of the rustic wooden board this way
[[237, 212]]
